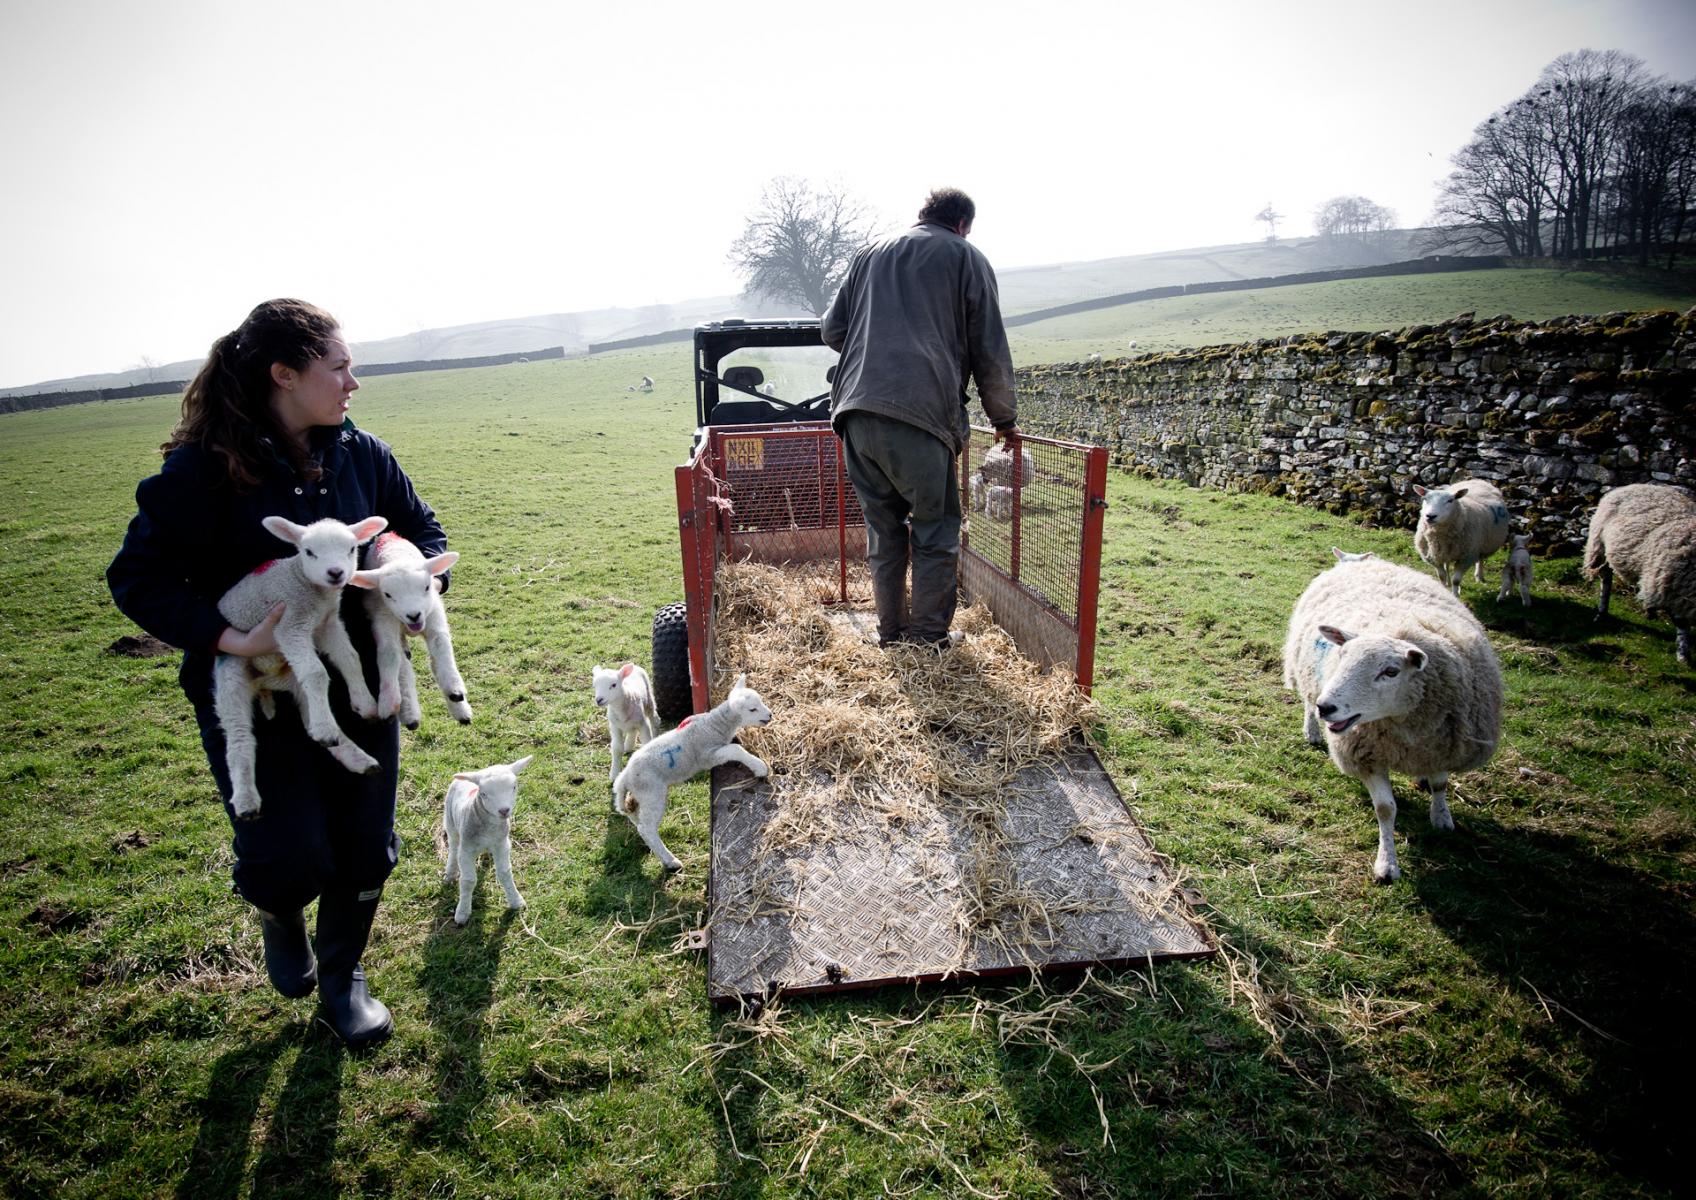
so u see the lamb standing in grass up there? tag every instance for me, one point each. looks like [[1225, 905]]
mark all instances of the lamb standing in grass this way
[[477, 816], [700, 743], [1394, 674], [998, 466], [309, 585], [402, 601], [998, 503], [1516, 572], [1646, 533], [1459, 527], [628, 696]]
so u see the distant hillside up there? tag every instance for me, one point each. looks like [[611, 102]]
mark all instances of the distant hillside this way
[[1022, 290]]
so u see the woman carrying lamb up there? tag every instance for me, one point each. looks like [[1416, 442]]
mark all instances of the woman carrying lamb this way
[[264, 432]]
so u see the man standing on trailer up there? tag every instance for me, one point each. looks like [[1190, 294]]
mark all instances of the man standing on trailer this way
[[917, 315]]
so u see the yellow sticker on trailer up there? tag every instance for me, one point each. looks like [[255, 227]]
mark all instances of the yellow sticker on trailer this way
[[745, 454]]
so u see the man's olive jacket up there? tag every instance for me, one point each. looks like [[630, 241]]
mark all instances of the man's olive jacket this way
[[917, 316]]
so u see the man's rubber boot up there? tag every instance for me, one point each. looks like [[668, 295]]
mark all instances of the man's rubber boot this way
[[288, 953], [345, 1004]]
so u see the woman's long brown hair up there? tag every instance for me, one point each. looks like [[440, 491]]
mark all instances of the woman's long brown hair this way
[[227, 406]]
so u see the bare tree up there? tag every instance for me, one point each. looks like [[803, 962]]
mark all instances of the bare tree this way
[[1271, 218], [149, 368], [800, 240]]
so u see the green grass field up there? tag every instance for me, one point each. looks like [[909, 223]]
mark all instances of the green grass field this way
[[1511, 1018], [1355, 304]]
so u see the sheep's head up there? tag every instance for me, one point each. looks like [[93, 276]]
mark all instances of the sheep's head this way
[[745, 702], [1365, 677], [1437, 503], [406, 586], [496, 788], [609, 683], [327, 551]]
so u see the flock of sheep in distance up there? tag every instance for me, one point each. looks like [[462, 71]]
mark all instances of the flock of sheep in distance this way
[[1396, 674]]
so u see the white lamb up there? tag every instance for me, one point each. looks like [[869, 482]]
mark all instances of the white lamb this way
[[1646, 533], [1394, 674], [309, 586], [1459, 527], [477, 815], [1516, 572], [997, 466], [402, 602], [632, 718], [700, 743], [998, 503], [978, 491]]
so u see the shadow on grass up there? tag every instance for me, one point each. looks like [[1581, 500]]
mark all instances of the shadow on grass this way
[[299, 1149], [632, 884], [458, 977], [1608, 954]]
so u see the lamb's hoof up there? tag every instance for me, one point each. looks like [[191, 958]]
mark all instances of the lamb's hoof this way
[[1386, 874], [412, 724], [521, 904], [672, 868], [465, 720], [250, 815], [460, 921]]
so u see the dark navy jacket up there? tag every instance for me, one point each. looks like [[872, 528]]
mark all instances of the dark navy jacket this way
[[194, 535]]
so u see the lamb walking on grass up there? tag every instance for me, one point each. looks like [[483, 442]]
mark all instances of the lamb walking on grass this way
[[1516, 572], [309, 586], [1459, 527], [1646, 533], [403, 601], [1394, 674], [699, 744], [477, 817], [628, 696]]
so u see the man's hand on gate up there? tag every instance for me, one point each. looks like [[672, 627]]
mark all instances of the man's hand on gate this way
[[1007, 434]]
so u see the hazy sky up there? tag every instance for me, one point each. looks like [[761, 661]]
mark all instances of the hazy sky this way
[[166, 164]]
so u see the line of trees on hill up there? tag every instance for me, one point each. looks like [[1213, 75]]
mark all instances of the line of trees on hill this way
[[1597, 159]]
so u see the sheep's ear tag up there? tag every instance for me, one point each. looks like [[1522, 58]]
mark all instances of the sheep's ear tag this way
[[624, 671]]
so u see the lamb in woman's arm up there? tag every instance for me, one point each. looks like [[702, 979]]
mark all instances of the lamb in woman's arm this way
[[309, 586], [402, 601], [1646, 532], [1394, 674]]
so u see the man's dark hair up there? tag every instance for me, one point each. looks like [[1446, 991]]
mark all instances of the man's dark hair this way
[[948, 206]]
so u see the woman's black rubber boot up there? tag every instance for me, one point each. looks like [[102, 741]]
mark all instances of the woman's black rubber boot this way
[[288, 953], [345, 1004]]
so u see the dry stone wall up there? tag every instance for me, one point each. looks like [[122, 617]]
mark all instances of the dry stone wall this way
[[1554, 413]]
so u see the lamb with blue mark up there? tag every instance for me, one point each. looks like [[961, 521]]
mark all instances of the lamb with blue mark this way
[[1394, 674]]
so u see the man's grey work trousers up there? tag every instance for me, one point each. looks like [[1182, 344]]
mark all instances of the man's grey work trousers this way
[[899, 471]]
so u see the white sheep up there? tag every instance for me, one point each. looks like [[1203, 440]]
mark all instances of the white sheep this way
[[309, 585], [1516, 572], [998, 503], [1344, 556], [997, 466], [978, 487], [402, 601], [1394, 674], [477, 816], [1646, 533], [767, 389], [647, 385], [632, 718], [1094, 359], [698, 744], [1459, 527]]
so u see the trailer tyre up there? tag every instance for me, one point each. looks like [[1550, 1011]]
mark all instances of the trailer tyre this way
[[672, 694]]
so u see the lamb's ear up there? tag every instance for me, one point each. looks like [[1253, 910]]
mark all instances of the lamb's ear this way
[[1458, 494], [741, 680], [365, 579], [471, 778], [518, 766], [1415, 658], [1332, 634], [370, 527], [624, 671], [284, 528], [1418, 491], [1337, 553], [442, 561]]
